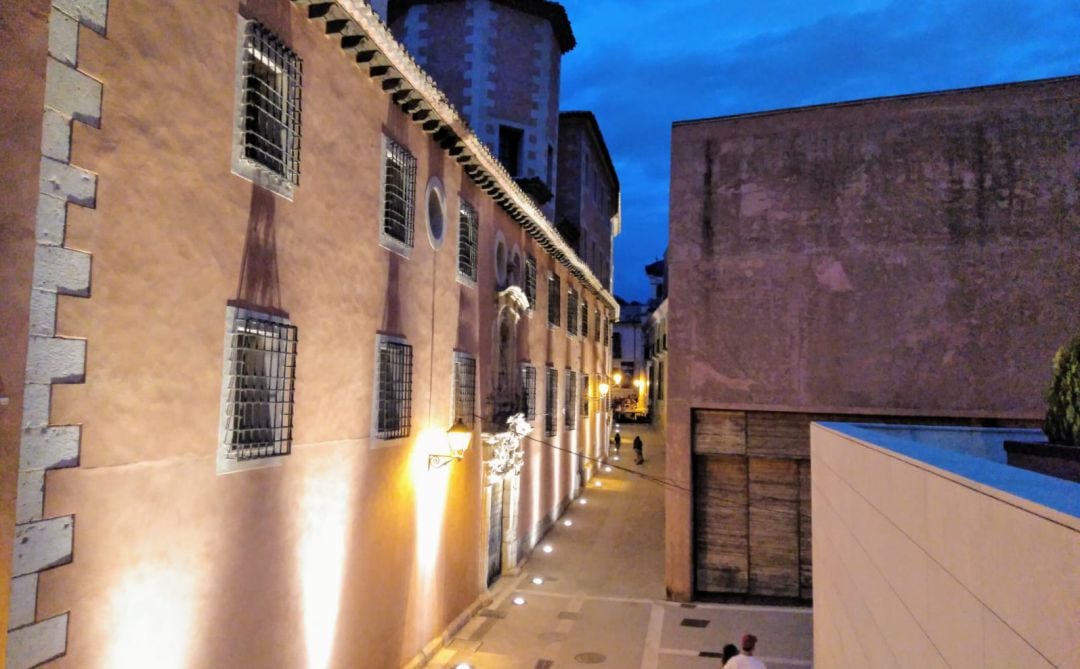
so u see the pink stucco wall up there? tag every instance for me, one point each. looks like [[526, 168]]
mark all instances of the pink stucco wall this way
[[24, 34], [350, 553], [913, 255]]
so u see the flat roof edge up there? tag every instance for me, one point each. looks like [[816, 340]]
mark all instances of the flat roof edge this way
[[860, 102]]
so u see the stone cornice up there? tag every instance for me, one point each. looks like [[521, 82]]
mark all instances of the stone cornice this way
[[365, 37]]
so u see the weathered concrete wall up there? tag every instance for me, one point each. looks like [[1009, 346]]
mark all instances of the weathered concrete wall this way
[[350, 553], [913, 255], [24, 34], [916, 565]]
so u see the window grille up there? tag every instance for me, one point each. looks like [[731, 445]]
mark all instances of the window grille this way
[[584, 395], [464, 388], [584, 320], [468, 234], [571, 311], [399, 177], [270, 103], [570, 407], [528, 391], [550, 399], [554, 300], [596, 325], [530, 282], [395, 390], [261, 380]]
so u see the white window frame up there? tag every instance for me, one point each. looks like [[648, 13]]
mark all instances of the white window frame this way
[[245, 167], [225, 463], [377, 440], [387, 241]]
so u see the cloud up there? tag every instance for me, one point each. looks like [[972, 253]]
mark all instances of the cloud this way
[[642, 65]]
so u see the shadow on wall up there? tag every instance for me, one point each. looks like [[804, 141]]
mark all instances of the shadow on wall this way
[[259, 285]]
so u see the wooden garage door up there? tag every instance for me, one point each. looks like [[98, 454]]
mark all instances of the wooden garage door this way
[[752, 503]]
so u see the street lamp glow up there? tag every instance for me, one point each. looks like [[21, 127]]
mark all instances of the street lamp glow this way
[[617, 378]]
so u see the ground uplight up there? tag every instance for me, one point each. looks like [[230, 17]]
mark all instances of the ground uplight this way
[[583, 501], [518, 601], [567, 522], [537, 580], [547, 548], [599, 484]]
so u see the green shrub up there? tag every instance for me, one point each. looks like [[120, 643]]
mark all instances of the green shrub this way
[[1062, 424]]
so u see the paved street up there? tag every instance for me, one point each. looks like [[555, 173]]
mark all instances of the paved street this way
[[601, 599]]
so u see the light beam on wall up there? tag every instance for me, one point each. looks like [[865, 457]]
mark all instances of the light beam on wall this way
[[430, 487], [151, 616], [325, 518]]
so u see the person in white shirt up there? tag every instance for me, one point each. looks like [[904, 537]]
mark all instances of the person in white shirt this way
[[746, 659]]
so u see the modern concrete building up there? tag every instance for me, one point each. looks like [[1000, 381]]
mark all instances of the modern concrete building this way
[[226, 445], [914, 256], [929, 550]]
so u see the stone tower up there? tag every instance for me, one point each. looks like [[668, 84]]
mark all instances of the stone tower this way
[[499, 62]]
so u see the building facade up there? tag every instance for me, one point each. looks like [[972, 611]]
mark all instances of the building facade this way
[[588, 210], [228, 440], [913, 256], [501, 69]]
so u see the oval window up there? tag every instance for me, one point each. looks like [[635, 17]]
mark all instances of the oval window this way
[[436, 213]]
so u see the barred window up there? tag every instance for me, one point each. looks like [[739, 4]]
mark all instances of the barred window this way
[[571, 311], [584, 395], [584, 320], [596, 324], [570, 407], [468, 235], [464, 388], [399, 196], [554, 300], [259, 385], [530, 282], [268, 127], [550, 400], [394, 411], [528, 391]]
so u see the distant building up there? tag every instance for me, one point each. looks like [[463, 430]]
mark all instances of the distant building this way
[[914, 256], [307, 268], [499, 62], [587, 208], [628, 362]]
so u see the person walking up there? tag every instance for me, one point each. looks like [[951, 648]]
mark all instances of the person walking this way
[[639, 448], [746, 659], [618, 442]]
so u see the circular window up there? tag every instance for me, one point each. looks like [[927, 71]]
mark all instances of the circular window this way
[[436, 216], [500, 259]]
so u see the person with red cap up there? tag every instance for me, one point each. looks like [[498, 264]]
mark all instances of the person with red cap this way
[[746, 659]]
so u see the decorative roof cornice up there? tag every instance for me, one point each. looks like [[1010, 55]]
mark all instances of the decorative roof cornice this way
[[364, 37], [550, 11]]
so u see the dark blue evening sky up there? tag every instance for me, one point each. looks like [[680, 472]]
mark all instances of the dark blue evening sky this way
[[640, 65]]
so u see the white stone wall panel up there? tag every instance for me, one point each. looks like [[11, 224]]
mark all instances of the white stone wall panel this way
[[37, 644], [72, 93], [22, 606], [42, 545], [30, 502], [50, 448], [68, 182], [63, 38], [62, 270], [91, 13], [55, 360]]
